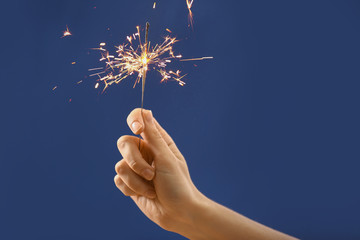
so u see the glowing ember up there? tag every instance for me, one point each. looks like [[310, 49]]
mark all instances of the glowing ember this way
[[66, 32], [189, 4]]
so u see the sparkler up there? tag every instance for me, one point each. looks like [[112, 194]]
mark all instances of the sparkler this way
[[136, 60]]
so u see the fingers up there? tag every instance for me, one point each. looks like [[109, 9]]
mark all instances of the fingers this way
[[147, 129], [169, 141], [130, 183], [135, 121], [122, 187], [129, 149]]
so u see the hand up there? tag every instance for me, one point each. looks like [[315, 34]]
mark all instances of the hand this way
[[156, 177]]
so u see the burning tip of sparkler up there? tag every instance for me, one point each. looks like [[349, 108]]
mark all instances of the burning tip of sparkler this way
[[144, 59], [66, 33], [136, 58]]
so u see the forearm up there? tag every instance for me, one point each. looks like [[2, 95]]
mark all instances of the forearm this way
[[212, 221]]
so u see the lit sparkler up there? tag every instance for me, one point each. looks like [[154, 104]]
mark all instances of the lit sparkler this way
[[136, 60]]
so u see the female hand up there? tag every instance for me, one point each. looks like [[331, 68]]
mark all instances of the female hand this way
[[156, 177]]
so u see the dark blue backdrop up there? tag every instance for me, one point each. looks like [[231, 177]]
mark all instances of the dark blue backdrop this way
[[270, 127]]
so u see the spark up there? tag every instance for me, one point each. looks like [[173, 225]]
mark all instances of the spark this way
[[55, 88], [154, 6], [73, 63], [96, 85], [102, 44], [189, 4], [196, 59], [169, 30], [79, 82], [66, 32], [94, 69]]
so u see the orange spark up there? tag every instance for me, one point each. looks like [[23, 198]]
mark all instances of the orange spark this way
[[189, 4], [66, 32], [169, 30], [73, 63]]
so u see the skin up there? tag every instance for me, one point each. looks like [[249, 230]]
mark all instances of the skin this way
[[157, 179]]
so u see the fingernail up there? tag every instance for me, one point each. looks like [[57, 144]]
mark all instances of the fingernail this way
[[148, 174], [136, 126], [151, 194], [149, 116]]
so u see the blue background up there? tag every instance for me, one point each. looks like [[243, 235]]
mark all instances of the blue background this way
[[270, 127]]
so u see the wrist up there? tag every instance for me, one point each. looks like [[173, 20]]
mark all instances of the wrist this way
[[197, 214]]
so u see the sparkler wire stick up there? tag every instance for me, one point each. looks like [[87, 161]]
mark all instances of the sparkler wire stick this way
[[145, 61]]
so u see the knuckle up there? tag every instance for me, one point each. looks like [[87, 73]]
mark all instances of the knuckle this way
[[127, 192], [136, 186], [134, 164], [137, 166], [121, 142], [122, 186], [155, 133], [122, 170], [119, 166], [118, 181]]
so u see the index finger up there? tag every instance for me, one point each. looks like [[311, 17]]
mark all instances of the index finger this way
[[128, 147]]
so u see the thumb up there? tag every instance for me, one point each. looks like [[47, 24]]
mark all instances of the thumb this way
[[143, 122]]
